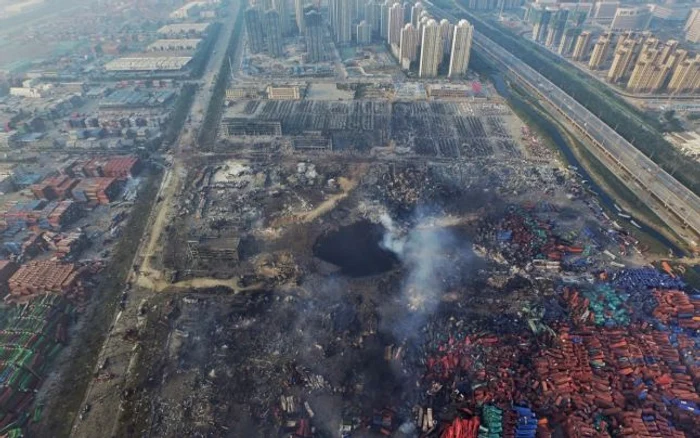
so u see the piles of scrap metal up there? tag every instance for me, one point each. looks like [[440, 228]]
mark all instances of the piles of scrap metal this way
[[677, 307], [523, 238], [296, 417], [597, 373]]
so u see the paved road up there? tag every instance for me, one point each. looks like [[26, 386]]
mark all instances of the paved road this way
[[203, 96], [673, 202], [104, 395], [648, 175]]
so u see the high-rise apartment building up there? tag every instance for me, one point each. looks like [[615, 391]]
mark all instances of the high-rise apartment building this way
[[364, 33], [568, 40], [676, 58], [461, 49], [254, 29], [407, 6], [692, 26], [447, 30], [578, 17], [299, 15], [622, 60], [282, 8], [600, 51], [415, 13], [540, 21], [313, 23], [408, 48], [622, 37], [396, 16], [686, 77], [360, 10], [341, 16], [384, 31], [583, 44], [273, 33], [431, 49], [555, 29], [373, 15], [667, 49], [646, 71], [670, 66], [424, 17]]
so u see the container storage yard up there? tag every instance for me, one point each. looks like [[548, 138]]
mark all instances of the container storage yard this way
[[56, 238], [31, 336], [91, 100]]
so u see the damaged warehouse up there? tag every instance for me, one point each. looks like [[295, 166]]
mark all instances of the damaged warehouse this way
[[361, 299], [399, 267]]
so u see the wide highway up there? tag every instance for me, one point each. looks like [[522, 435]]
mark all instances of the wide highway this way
[[674, 203]]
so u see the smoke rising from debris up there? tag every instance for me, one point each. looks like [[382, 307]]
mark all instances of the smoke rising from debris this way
[[434, 258]]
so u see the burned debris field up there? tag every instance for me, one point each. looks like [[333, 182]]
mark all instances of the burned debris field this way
[[331, 296], [392, 266], [438, 129]]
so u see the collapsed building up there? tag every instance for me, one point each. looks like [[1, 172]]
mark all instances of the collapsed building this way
[[214, 248], [449, 129]]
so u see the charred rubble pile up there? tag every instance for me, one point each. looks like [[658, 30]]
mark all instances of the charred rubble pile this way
[[402, 188], [610, 352]]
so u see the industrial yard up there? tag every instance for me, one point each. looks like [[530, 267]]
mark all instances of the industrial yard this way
[[271, 219], [390, 257], [392, 297], [58, 234], [407, 267]]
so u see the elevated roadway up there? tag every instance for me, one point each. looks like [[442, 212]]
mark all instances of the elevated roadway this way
[[674, 203]]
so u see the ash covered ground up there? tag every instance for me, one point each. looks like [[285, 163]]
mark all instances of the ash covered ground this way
[[388, 299]]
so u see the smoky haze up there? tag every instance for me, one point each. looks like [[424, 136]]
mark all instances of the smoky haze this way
[[434, 259]]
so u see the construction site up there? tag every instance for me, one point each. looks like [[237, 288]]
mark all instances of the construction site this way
[[370, 268]]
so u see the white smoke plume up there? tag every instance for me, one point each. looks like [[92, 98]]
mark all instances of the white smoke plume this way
[[393, 239], [430, 255]]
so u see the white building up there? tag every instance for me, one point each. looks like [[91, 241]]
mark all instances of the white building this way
[[692, 26], [431, 50], [188, 10], [604, 12], [461, 49], [396, 16], [631, 19]]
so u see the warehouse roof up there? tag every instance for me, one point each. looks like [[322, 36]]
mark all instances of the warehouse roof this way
[[175, 43], [148, 63], [170, 29]]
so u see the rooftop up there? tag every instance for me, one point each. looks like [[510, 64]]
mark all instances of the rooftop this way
[[170, 29], [147, 63]]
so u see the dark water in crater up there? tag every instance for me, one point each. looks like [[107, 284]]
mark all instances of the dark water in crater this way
[[356, 249]]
